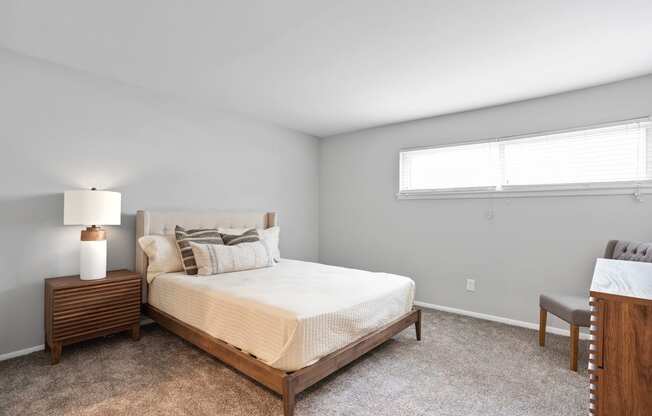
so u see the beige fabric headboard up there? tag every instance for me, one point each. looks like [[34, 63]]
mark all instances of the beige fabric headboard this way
[[152, 222]]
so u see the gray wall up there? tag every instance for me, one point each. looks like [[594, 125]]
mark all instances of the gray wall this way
[[61, 129], [532, 245]]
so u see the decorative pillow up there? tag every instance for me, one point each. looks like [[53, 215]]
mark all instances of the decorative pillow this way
[[185, 237], [235, 231], [162, 253], [249, 236], [269, 235], [216, 259]]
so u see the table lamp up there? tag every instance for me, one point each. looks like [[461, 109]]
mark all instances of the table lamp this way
[[92, 208]]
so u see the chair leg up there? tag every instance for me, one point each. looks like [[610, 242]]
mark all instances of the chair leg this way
[[574, 341], [543, 318], [417, 325]]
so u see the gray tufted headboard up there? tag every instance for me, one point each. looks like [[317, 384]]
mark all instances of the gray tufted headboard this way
[[629, 250]]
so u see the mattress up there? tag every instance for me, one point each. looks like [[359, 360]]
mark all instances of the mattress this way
[[288, 315]]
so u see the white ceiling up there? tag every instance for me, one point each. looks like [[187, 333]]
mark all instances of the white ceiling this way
[[331, 66]]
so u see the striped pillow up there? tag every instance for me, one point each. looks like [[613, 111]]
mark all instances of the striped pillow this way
[[184, 237], [215, 259], [249, 236]]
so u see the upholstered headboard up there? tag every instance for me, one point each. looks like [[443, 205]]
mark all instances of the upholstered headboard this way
[[629, 250], [152, 222]]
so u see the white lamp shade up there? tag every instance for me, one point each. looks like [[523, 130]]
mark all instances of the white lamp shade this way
[[86, 207]]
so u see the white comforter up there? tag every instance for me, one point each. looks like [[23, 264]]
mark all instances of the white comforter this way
[[288, 315]]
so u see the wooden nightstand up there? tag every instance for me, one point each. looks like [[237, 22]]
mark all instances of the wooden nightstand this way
[[77, 310]]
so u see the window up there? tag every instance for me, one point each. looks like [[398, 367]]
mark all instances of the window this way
[[609, 156]]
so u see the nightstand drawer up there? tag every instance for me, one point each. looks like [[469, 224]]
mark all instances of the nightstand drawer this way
[[89, 298], [71, 326], [96, 324], [96, 290], [96, 309]]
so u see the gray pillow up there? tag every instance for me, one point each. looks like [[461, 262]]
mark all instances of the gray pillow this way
[[249, 236], [200, 235]]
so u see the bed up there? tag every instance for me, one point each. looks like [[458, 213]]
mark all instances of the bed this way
[[286, 326]]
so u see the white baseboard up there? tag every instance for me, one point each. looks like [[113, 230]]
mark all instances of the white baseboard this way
[[145, 321], [18, 353], [502, 320], [14, 354]]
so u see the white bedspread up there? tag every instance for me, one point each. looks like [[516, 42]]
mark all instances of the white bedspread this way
[[288, 315]]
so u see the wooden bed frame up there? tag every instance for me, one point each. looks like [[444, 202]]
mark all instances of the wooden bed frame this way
[[287, 384]]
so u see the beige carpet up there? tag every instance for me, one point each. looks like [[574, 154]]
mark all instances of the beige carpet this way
[[463, 367]]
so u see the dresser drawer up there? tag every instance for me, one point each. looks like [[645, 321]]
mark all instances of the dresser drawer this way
[[620, 364]]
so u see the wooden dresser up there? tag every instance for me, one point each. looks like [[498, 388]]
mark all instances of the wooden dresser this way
[[620, 362], [77, 310]]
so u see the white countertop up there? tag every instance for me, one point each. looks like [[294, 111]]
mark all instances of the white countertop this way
[[624, 278]]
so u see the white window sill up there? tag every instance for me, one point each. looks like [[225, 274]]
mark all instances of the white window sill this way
[[635, 190]]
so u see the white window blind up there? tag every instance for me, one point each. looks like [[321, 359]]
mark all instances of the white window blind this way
[[468, 166], [611, 154]]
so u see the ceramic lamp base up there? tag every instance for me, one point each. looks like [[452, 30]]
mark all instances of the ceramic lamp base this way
[[92, 260]]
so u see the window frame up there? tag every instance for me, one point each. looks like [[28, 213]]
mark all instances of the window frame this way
[[635, 188]]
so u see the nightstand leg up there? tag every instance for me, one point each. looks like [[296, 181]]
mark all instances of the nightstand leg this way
[[135, 332], [55, 351]]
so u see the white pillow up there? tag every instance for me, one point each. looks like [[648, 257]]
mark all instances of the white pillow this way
[[162, 253], [217, 258], [271, 237]]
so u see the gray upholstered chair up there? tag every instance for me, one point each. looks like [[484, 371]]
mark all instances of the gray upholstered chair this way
[[575, 309]]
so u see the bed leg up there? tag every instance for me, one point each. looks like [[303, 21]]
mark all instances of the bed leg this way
[[289, 397], [417, 325]]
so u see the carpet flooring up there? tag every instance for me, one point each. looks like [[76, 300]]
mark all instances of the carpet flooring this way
[[462, 367]]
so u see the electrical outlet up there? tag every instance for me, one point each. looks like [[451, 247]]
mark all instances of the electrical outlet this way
[[470, 285]]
